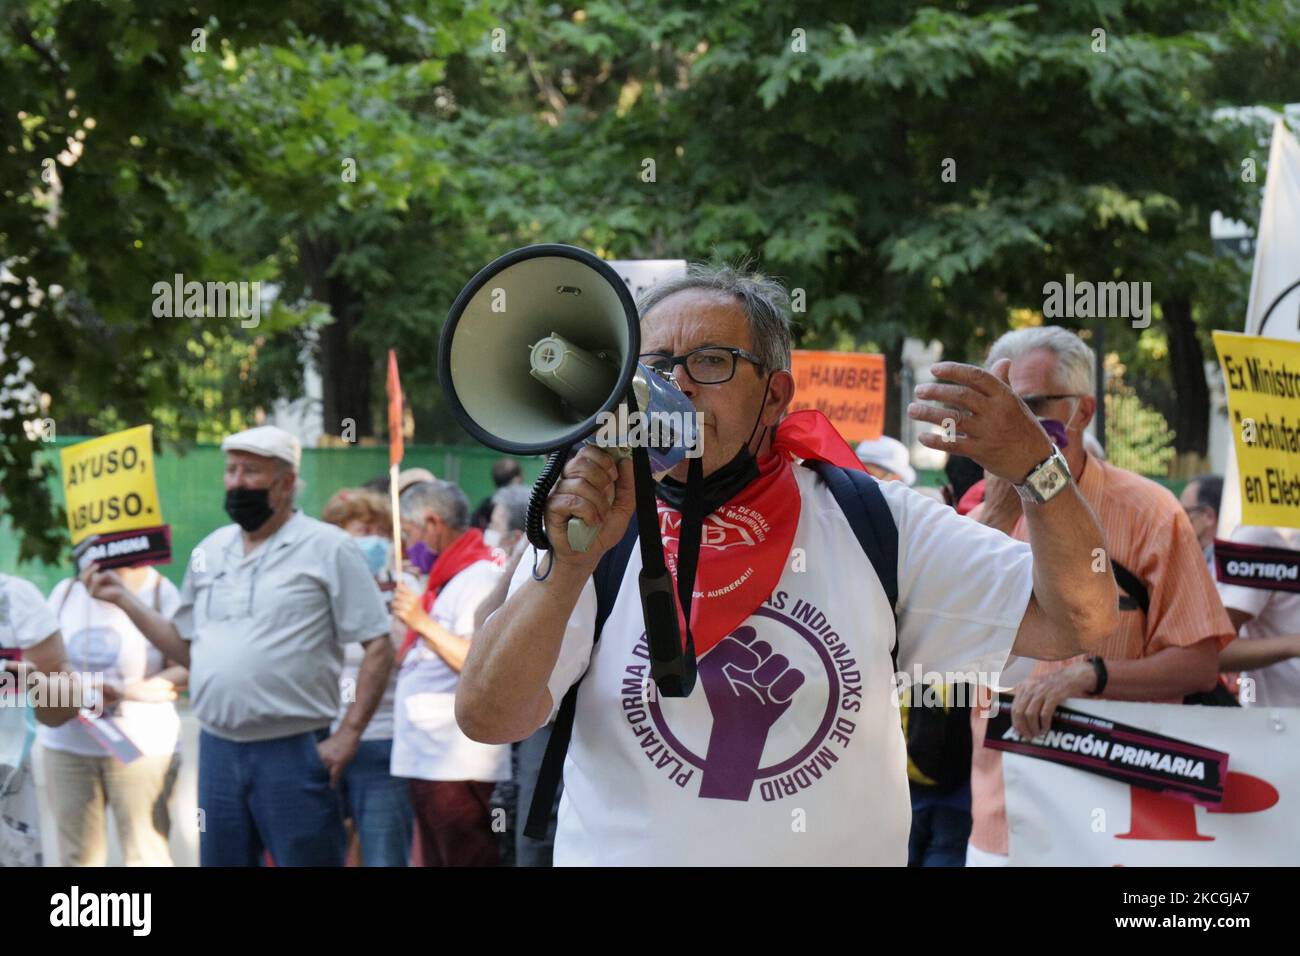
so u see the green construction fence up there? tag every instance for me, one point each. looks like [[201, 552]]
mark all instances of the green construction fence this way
[[192, 495]]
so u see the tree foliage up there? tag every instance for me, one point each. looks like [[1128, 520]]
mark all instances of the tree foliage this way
[[915, 169]]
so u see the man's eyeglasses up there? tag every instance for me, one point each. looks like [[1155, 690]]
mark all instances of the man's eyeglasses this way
[[711, 365], [1038, 403]]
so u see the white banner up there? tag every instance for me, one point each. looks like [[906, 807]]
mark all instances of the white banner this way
[[1277, 269], [640, 274], [1060, 816]]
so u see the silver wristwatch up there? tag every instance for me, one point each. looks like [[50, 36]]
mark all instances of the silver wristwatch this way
[[1047, 480]]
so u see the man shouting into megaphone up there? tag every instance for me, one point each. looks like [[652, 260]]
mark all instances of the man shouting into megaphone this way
[[789, 749]]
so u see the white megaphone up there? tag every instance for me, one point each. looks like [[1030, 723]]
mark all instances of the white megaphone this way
[[539, 352]]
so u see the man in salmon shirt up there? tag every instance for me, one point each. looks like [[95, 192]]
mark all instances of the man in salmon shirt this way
[[1159, 654]]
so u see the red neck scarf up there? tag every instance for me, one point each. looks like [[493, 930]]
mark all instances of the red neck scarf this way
[[464, 551], [745, 543]]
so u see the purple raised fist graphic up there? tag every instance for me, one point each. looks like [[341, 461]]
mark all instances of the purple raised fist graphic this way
[[748, 688]]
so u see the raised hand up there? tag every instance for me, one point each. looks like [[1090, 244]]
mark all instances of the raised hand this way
[[987, 423], [104, 585]]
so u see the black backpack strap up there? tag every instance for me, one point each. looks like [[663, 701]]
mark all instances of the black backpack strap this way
[[1131, 585], [859, 496], [1133, 589], [608, 578]]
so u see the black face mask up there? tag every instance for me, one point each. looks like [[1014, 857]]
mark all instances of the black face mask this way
[[720, 486], [250, 508]]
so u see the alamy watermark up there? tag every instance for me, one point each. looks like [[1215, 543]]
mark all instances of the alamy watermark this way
[[194, 299], [659, 430], [75, 908], [60, 690], [1104, 300], [974, 689]]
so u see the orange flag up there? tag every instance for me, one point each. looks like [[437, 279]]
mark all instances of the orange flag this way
[[394, 411]]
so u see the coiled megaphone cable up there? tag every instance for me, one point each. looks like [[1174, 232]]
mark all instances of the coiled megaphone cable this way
[[535, 526]]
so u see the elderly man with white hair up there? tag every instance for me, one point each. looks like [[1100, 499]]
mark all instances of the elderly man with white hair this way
[[1171, 623], [266, 606]]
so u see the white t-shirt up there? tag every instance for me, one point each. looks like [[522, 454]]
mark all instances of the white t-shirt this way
[[381, 722], [427, 742], [25, 621], [100, 638], [1275, 613], [821, 778]]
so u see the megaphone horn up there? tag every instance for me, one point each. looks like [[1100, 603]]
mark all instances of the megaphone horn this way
[[539, 345], [537, 350], [516, 315]]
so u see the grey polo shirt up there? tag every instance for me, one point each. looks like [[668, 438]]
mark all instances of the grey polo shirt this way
[[267, 629]]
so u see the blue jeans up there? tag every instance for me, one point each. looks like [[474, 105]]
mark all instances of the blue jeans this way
[[941, 825], [379, 805], [268, 795]]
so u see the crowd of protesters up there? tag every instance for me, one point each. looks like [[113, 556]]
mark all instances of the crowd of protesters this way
[[323, 668], [320, 667]]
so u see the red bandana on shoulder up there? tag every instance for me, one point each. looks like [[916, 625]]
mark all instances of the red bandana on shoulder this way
[[468, 549], [744, 544]]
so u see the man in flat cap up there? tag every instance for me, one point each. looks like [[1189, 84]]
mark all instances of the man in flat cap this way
[[266, 606]]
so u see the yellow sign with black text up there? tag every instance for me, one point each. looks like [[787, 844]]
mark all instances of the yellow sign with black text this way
[[110, 491], [1262, 378]]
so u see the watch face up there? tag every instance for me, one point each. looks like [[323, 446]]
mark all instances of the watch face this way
[[1049, 479]]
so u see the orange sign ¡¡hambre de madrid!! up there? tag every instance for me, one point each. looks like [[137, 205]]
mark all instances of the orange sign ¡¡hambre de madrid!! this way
[[846, 387]]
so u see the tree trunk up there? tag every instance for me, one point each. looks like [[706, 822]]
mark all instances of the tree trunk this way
[[1191, 410], [344, 362], [893, 388]]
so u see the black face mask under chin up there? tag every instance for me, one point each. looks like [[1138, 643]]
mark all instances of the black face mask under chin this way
[[250, 508], [721, 485], [718, 488]]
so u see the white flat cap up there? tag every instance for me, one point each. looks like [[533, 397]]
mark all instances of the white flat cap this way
[[412, 476], [889, 454], [267, 441]]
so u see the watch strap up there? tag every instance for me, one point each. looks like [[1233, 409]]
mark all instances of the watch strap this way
[[1099, 667]]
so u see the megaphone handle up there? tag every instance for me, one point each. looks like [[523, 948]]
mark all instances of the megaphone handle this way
[[581, 534]]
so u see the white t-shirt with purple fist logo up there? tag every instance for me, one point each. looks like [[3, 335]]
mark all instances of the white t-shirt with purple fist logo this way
[[789, 750]]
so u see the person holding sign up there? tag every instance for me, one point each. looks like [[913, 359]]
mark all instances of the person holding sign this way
[[128, 757], [1170, 625], [266, 606]]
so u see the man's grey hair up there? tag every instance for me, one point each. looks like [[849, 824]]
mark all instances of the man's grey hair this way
[[298, 483], [443, 498], [1075, 363], [515, 499], [765, 301]]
